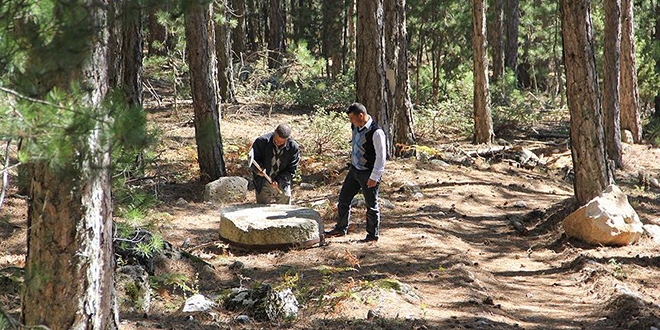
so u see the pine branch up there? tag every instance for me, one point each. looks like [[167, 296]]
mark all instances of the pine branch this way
[[31, 99], [50, 104]]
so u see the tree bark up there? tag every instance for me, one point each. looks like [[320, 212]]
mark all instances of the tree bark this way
[[349, 51], [483, 122], [512, 23], [114, 43], [332, 36], [656, 39], [252, 26], [630, 119], [223, 48], [276, 45], [131, 81], [611, 69], [69, 270], [396, 68], [304, 22], [587, 138], [496, 39], [200, 38], [238, 36], [371, 83]]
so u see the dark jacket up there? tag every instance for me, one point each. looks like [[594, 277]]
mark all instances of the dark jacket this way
[[263, 153]]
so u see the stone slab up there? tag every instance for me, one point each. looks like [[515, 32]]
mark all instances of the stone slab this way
[[274, 226]]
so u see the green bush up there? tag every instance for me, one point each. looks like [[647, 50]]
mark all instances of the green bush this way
[[451, 116], [327, 131]]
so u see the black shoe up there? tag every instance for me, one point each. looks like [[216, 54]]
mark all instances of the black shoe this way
[[335, 233], [369, 238]]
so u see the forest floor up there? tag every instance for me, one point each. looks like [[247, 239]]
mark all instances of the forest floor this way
[[449, 258]]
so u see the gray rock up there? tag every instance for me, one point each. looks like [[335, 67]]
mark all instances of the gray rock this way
[[653, 231], [133, 289], [386, 203], [627, 137], [226, 189], [607, 219], [520, 204], [242, 318], [412, 190], [307, 186], [282, 305], [438, 163], [358, 201], [270, 226], [264, 303], [198, 303]]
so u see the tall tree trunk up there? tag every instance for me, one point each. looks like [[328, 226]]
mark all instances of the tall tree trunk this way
[[371, 83], [587, 138], [524, 78], [251, 24], [483, 122], [114, 43], [396, 59], [131, 81], [349, 35], [304, 18], [158, 34], [512, 23], [294, 24], [69, 269], [276, 46], [611, 69], [223, 48], [200, 38], [332, 36], [403, 107], [238, 35], [496, 39], [656, 39], [558, 61], [629, 91]]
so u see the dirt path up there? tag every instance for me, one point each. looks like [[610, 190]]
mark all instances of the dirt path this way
[[482, 248]]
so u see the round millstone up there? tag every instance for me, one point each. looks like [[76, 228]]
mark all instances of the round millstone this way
[[271, 226]]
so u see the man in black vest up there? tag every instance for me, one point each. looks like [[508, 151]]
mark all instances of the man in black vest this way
[[278, 155], [367, 167]]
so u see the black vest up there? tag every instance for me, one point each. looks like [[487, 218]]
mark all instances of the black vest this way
[[369, 149]]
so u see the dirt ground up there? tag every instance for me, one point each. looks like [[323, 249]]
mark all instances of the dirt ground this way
[[454, 257]]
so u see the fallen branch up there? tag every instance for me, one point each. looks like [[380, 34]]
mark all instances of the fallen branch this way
[[490, 152], [5, 174], [147, 85], [218, 244], [147, 177], [557, 157]]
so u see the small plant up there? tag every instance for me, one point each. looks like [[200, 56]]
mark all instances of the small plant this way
[[324, 132], [618, 271], [174, 281], [6, 321], [136, 245]]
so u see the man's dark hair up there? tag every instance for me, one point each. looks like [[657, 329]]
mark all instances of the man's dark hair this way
[[356, 109], [283, 131]]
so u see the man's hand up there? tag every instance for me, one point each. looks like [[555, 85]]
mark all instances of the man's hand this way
[[274, 184], [371, 183]]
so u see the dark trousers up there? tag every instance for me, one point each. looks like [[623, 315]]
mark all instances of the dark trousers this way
[[356, 180]]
